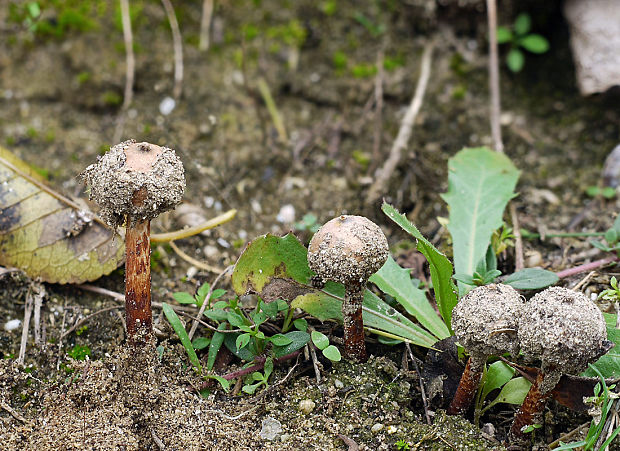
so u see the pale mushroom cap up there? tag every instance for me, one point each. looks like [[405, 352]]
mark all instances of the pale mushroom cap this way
[[137, 181], [564, 329], [486, 320], [348, 249]]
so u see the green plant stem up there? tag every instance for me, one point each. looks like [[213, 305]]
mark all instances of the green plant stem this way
[[287, 321], [278, 123]]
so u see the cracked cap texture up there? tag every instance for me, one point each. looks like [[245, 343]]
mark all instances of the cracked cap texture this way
[[348, 249], [135, 182]]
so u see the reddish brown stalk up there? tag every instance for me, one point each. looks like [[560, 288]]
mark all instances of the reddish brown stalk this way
[[586, 267], [138, 282], [530, 411], [468, 386], [354, 345]]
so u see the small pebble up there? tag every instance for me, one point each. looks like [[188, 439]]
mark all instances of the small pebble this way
[[392, 429], [306, 406], [167, 105], [376, 428], [286, 214], [338, 384], [12, 325], [270, 428]]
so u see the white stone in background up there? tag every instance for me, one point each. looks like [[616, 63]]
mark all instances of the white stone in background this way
[[270, 428], [286, 214], [595, 43], [12, 325], [167, 105]]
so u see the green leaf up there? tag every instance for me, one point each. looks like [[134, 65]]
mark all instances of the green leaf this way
[[504, 35], [200, 343], [396, 281], [277, 268], [440, 266], [523, 23], [235, 319], [242, 340], [216, 314], [280, 340], [534, 43], [250, 389], [320, 340], [216, 343], [218, 293], [246, 353], [225, 383], [301, 324], [268, 368], [259, 318], [480, 184], [178, 327], [298, 340], [531, 279], [498, 374], [332, 353], [464, 278], [184, 298], [611, 236], [202, 292], [609, 364], [270, 309], [515, 60], [513, 392]]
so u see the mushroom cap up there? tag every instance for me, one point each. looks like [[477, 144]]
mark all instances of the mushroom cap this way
[[348, 249], [564, 329], [135, 182], [485, 321]]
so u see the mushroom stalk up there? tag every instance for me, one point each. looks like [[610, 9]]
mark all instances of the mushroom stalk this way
[[354, 345], [468, 386], [138, 281], [531, 410]]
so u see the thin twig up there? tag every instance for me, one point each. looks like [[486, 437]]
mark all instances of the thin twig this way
[[516, 230], [38, 303], [496, 131], [315, 363], [193, 261], [583, 281], [276, 117], [205, 24], [86, 318], [207, 301], [13, 413], [586, 267], [129, 69], [417, 370], [27, 314], [404, 133], [209, 326], [569, 435], [157, 440], [178, 49], [195, 230]]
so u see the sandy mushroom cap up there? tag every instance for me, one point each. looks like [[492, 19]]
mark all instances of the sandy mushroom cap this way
[[348, 249], [135, 180], [564, 329], [486, 320]]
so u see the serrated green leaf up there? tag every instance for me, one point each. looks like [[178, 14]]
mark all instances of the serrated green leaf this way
[[480, 184], [440, 266], [184, 298], [320, 340], [178, 327], [534, 43], [531, 279], [523, 23], [515, 60], [396, 281], [332, 353]]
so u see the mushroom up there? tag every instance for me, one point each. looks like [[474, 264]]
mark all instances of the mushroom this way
[[348, 250], [565, 331], [132, 184], [485, 322]]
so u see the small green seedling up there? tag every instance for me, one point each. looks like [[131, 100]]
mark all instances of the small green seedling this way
[[606, 192], [613, 293], [258, 379], [520, 38], [612, 238], [321, 341], [183, 297], [402, 445]]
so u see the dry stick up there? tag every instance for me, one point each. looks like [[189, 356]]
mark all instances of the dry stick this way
[[205, 24], [417, 370], [209, 326], [178, 49], [317, 371], [404, 133], [129, 68], [207, 300], [14, 413], [276, 117], [586, 267], [27, 315], [38, 303], [519, 260], [568, 435], [193, 261]]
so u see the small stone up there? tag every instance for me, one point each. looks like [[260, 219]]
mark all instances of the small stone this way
[[270, 428], [306, 406], [167, 105], [285, 437], [392, 429], [338, 384], [12, 325], [376, 428], [286, 214]]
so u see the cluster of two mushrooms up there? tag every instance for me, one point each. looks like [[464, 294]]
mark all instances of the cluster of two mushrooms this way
[[559, 327]]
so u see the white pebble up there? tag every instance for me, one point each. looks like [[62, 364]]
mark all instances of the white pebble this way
[[12, 325], [286, 214], [167, 105]]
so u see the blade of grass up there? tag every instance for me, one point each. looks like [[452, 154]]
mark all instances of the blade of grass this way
[[178, 327]]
